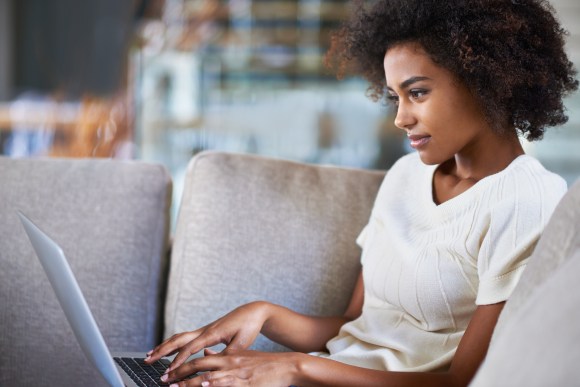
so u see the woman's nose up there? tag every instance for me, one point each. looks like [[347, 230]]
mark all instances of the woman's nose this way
[[404, 119]]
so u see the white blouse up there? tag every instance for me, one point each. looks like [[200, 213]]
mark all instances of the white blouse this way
[[426, 267]]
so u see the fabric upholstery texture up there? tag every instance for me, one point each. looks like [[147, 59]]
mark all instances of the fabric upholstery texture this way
[[112, 220], [534, 343], [253, 228]]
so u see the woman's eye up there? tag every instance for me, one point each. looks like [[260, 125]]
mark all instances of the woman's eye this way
[[394, 99], [418, 93]]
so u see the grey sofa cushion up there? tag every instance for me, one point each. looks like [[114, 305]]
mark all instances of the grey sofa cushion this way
[[111, 219], [535, 340], [252, 228]]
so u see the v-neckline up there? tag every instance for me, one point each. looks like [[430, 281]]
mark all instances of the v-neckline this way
[[466, 195]]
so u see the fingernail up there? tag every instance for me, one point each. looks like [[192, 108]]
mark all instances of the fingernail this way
[[164, 378], [149, 353], [175, 385], [147, 358], [204, 384]]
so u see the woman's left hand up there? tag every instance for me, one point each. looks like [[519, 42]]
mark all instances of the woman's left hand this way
[[237, 368]]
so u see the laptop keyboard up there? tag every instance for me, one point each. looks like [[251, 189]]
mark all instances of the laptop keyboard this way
[[144, 375]]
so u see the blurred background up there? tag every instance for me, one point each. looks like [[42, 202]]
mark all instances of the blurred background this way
[[160, 80]]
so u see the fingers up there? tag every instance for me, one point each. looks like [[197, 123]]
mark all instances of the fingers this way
[[242, 369], [211, 379], [219, 379], [201, 364], [189, 349], [170, 346], [185, 345]]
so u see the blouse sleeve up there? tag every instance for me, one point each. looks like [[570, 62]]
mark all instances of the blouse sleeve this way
[[503, 257], [514, 229]]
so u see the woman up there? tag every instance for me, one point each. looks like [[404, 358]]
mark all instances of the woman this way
[[453, 223]]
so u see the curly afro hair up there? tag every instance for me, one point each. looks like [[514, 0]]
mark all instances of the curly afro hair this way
[[509, 53]]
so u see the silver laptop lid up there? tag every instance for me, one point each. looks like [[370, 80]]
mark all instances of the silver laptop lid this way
[[72, 301]]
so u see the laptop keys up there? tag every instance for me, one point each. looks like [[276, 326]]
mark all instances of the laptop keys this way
[[144, 375]]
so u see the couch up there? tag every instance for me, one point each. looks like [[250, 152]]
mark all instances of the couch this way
[[248, 228]]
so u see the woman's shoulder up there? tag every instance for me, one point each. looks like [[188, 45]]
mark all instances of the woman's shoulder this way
[[527, 185], [529, 176]]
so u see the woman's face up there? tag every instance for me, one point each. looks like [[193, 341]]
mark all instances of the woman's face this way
[[441, 117]]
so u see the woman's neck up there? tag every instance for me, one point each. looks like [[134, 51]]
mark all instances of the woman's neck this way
[[490, 155], [461, 172]]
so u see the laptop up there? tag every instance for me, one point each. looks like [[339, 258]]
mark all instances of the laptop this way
[[118, 369]]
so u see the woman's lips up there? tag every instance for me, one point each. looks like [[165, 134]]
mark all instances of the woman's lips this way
[[419, 140]]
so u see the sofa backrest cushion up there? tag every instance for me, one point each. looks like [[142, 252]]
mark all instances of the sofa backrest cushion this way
[[535, 340], [252, 228], [111, 219]]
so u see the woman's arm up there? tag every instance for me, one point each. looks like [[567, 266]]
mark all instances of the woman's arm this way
[[305, 333], [284, 369], [469, 356], [239, 328]]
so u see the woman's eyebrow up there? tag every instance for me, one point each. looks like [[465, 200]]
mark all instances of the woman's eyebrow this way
[[410, 81]]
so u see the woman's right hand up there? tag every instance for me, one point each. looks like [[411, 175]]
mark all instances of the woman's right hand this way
[[237, 330]]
